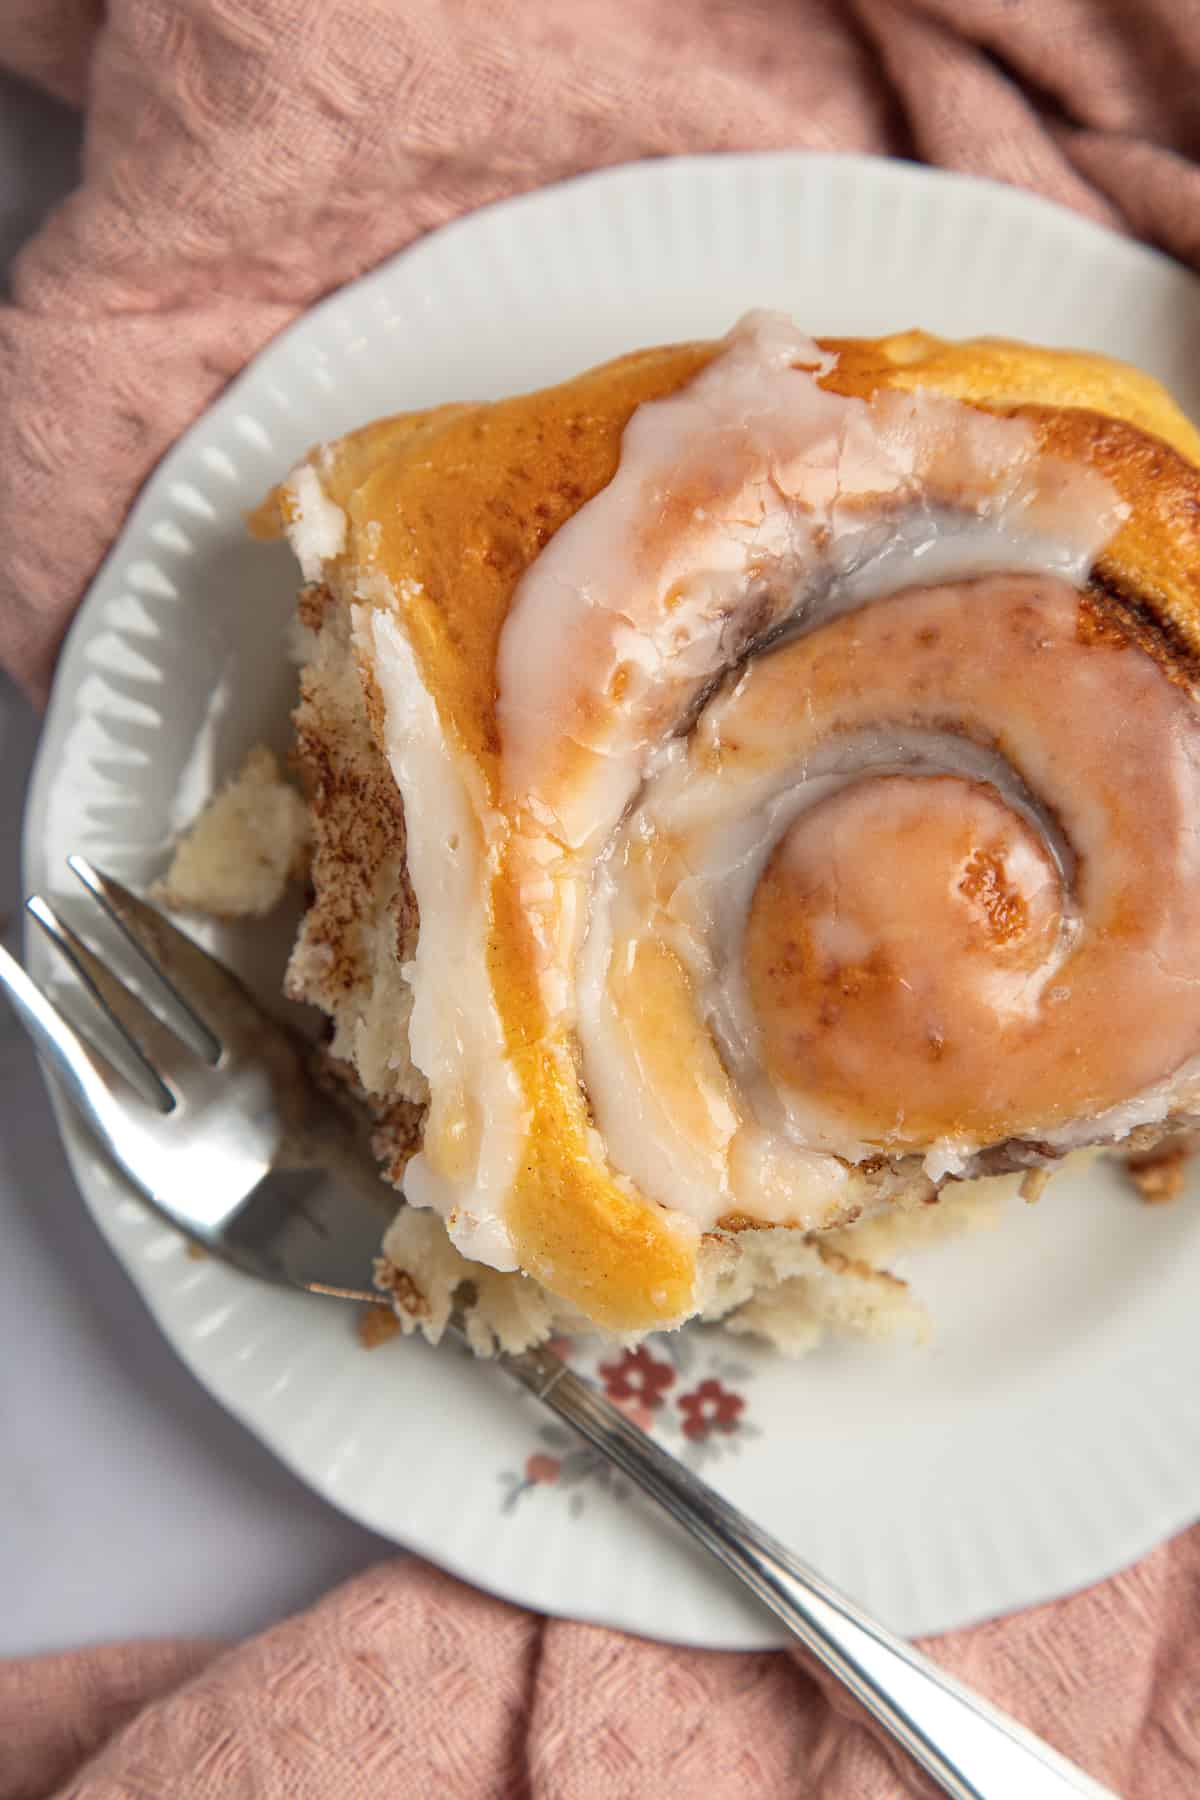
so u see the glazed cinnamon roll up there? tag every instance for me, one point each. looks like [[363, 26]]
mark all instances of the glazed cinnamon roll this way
[[753, 784]]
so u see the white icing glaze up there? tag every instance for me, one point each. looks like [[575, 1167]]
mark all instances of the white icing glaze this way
[[687, 861], [316, 526], [751, 491], [476, 1122], [801, 491], [749, 503]]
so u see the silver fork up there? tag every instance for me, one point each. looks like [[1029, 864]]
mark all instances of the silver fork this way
[[227, 1142]]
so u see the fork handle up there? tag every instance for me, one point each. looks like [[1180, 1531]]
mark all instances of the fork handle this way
[[975, 1751]]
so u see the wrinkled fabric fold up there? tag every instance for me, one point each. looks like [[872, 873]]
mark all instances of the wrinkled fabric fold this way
[[244, 157], [404, 1682]]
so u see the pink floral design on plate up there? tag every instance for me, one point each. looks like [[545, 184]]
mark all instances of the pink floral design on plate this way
[[681, 1387], [710, 1407]]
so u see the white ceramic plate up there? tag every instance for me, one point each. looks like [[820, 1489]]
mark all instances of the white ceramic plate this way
[[1050, 1434]]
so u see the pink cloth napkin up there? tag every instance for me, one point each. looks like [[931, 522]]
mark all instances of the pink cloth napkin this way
[[403, 1682], [242, 158]]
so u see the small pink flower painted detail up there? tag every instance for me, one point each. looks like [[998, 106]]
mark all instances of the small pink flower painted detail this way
[[708, 1420], [540, 1468], [708, 1408], [639, 1379]]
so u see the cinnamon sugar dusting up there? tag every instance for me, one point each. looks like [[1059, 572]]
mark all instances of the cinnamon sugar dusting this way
[[408, 1297], [985, 883], [360, 828], [1099, 625], [312, 603]]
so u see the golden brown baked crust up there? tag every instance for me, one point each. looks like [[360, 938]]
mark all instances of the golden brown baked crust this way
[[1089, 409], [446, 511]]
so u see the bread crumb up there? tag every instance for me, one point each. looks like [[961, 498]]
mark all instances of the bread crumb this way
[[377, 1325], [236, 859], [1159, 1178], [1033, 1185]]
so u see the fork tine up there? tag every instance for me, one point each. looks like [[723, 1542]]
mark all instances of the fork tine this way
[[147, 1038], [204, 990], [84, 1073]]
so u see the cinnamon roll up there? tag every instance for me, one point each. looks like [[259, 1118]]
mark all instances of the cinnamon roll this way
[[753, 785]]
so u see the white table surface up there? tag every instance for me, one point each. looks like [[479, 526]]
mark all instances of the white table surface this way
[[130, 1504]]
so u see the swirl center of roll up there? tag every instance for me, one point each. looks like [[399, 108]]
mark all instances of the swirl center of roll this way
[[897, 927]]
